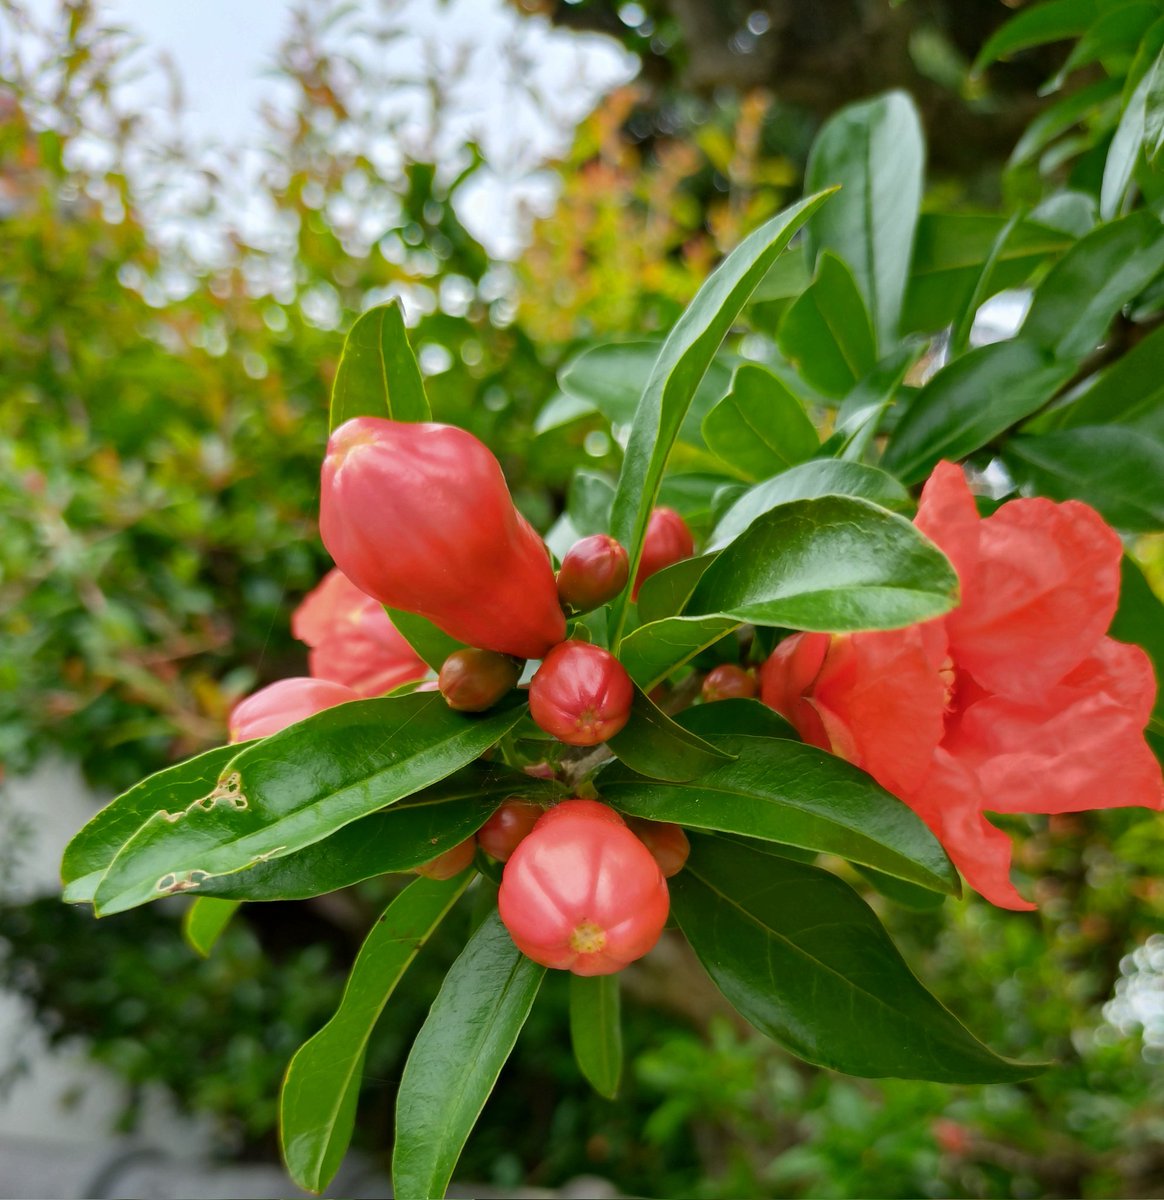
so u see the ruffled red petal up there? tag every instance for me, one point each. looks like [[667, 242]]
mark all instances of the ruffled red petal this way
[[947, 515]]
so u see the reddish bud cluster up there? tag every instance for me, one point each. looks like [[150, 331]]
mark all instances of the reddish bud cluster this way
[[728, 681], [473, 680], [593, 572], [581, 694]]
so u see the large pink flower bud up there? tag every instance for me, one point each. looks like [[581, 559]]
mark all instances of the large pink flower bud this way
[[419, 516], [283, 703]]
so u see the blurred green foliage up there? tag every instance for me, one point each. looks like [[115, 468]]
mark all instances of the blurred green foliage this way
[[163, 417]]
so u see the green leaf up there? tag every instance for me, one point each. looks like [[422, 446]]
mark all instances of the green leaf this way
[[803, 958], [876, 151], [456, 1058], [960, 337], [948, 256], [908, 895], [613, 376], [836, 564], [1061, 116], [860, 416], [652, 651], [431, 644], [666, 592], [1102, 272], [759, 427], [405, 836], [596, 1031], [970, 402], [1116, 470], [1113, 34], [827, 334], [95, 845], [377, 374], [1128, 142], [295, 788], [205, 921], [1130, 392], [317, 1106], [682, 363], [1036, 25], [735, 715], [822, 477], [654, 745], [796, 795]]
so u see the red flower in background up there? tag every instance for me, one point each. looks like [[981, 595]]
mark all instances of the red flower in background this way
[[353, 640], [1015, 702]]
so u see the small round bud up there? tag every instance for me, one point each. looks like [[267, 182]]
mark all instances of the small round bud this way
[[452, 862], [581, 694], [594, 571], [500, 835], [667, 843], [667, 541], [473, 680], [727, 681]]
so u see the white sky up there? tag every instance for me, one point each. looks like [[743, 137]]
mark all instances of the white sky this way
[[517, 84]]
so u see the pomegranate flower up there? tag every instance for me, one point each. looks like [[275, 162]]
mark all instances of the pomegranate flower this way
[[1015, 702], [353, 640]]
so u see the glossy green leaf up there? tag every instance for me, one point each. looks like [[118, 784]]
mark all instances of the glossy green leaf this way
[[1140, 619], [759, 427], [836, 564], [612, 377], [822, 477], [1128, 142], [596, 1031], [653, 745], [1130, 392], [797, 795], [205, 921], [859, 417], [960, 336], [588, 502], [666, 592], [908, 895], [95, 845], [1116, 470], [317, 1106], [876, 151], [947, 262], [406, 835], [1115, 32], [431, 644], [974, 399], [803, 958], [1037, 25], [561, 410], [652, 651], [735, 716], [295, 788], [456, 1058], [682, 363], [377, 374], [1102, 272], [827, 334], [1061, 116]]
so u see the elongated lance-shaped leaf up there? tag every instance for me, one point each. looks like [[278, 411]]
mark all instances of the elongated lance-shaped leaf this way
[[834, 564], [317, 1106], [298, 786], [205, 921], [377, 374], [804, 959], [431, 644], [683, 360], [456, 1058], [651, 652], [654, 745], [786, 792], [596, 1031], [876, 152]]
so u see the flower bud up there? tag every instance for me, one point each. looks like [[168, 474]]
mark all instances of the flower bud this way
[[667, 843], [581, 694], [500, 836], [727, 681], [283, 703], [582, 893], [452, 862], [474, 680], [353, 640], [594, 571], [419, 517], [667, 541]]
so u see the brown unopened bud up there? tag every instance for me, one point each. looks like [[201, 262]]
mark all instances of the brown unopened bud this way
[[452, 862], [500, 835], [473, 680], [667, 843], [594, 571], [727, 681]]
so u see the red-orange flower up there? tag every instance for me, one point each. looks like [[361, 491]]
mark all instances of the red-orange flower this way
[[1014, 702], [352, 639]]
